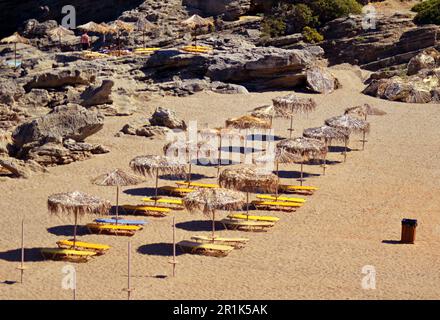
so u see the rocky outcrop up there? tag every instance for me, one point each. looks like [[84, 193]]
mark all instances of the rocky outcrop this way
[[163, 117], [145, 130], [20, 168], [227, 9], [421, 85], [394, 41], [61, 78], [64, 122], [320, 80], [96, 95], [10, 92]]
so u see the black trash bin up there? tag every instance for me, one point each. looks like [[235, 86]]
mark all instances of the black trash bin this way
[[408, 230]]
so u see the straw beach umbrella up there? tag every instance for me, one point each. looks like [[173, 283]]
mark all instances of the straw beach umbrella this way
[[326, 134], [306, 148], [145, 26], [209, 201], [153, 165], [280, 155], [195, 22], [290, 105], [351, 125], [15, 38], [78, 204], [121, 26], [248, 179], [264, 112], [60, 32], [247, 122], [118, 178], [220, 134], [364, 111], [92, 27], [187, 148]]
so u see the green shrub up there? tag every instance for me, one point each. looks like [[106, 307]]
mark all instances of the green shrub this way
[[272, 27], [312, 35], [427, 12], [328, 10]]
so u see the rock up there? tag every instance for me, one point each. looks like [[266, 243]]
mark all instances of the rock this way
[[435, 94], [36, 98], [320, 80], [228, 88], [57, 79], [69, 121], [228, 9], [167, 118], [10, 92], [145, 130], [97, 95], [21, 169], [129, 129], [428, 59], [35, 29]]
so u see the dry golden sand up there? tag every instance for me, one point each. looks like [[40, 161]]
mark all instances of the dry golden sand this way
[[317, 252]]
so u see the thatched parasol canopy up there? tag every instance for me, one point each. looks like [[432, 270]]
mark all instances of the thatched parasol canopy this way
[[148, 165], [77, 203], [60, 32], [247, 122], [144, 26], [349, 123], [326, 133], [306, 148], [264, 112], [15, 38], [92, 27], [291, 104], [117, 177], [209, 200], [364, 111], [248, 179], [122, 26], [197, 21], [288, 106]]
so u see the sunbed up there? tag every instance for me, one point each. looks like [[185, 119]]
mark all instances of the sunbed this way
[[145, 50], [113, 229], [276, 205], [247, 225], [171, 203], [237, 243], [67, 254], [121, 221], [147, 210], [83, 246], [280, 198], [208, 249], [196, 49], [239, 216], [197, 185], [176, 191], [306, 190]]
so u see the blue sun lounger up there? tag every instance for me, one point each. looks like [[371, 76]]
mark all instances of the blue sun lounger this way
[[122, 221]]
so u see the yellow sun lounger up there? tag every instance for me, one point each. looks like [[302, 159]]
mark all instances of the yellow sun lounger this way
[[152, 211], [253, 218], [247, 225], [145, 50], [276, 205], [208, 249], [176, 191], [237, 243], [84, 246], [198, 185], [280, 198], [67, 255], [306, 190], [113, 229], [176, 204], [196, 49]]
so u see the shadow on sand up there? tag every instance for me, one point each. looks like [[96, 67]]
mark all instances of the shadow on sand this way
[[159, 249], [30, 255], [199, 225]]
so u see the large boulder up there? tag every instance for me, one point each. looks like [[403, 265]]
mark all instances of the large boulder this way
[[69, 121], [10, 92], [427, 59], [97, 95], [61, 78], [166, 118], [320, 80], [20, 168], [228, 9]]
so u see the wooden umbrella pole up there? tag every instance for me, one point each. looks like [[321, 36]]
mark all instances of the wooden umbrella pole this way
[[21, 268], [117, 204], [247, 205], [129, 271], [291, 126], [325, 164], [74, 231], [174, 262], [157, 185], [143, 37], [15, 55], [278, 181], [219, 156], [363, 140], [213, 226], [345, 151]]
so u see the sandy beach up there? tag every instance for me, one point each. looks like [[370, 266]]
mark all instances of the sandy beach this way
[[317, 252]]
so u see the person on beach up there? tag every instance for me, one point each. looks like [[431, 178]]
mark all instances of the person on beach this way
[[85, 41]]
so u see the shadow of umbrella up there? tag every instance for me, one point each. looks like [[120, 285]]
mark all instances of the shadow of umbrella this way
[[158, 249], [31, 255], [67, 230], [199, 225]]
